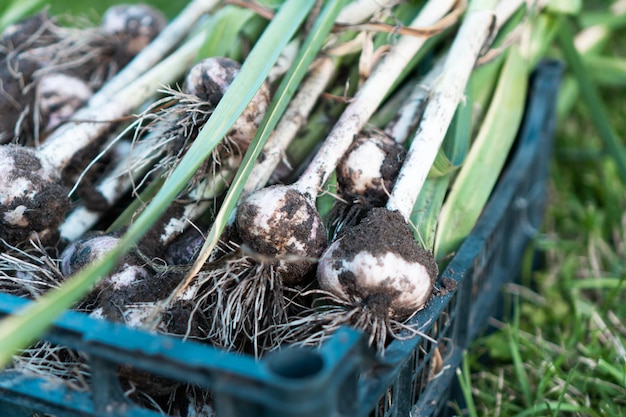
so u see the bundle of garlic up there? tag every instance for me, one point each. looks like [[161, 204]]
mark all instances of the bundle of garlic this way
[[378, 274], [126, 294], [34, 190], [279, 233], [277, 275]]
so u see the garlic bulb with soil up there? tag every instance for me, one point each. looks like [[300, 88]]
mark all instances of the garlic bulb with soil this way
[[39, 207], [365, 176], [178, 126], [280, 222], [128, 296], [58, 97], [170, 133], [367, 171], [390, 277], [378, 265], [243, 295], [208, 80], [32, 199], [132, 27], [33, 31]]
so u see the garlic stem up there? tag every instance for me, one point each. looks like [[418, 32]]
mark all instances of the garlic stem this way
[[367, 100], [294, 118], [410, 110], [446, 94], [359, 11]]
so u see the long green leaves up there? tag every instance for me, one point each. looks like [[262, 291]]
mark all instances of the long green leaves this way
[[16, 10], [227, 23], [18, 331], [486, 157]]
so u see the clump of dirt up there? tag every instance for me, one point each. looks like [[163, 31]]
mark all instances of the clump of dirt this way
[[383, 231], [31, 198]]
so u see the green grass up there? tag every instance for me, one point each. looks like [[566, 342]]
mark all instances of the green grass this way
[[561, 350]]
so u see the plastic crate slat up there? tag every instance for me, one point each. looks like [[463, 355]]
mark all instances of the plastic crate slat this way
[[55, 398]]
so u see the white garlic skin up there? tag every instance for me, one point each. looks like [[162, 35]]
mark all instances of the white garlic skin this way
[[210, 78], [59, 97], [410, 281], [279, 221], [363, 166]]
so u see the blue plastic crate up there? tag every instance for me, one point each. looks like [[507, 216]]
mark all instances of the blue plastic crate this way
[[344, 377]]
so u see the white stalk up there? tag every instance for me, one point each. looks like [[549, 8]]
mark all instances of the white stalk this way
[[359, 11], [378, 263], [410, 111], [302, 104], [367, 100], [112, 187], [155, 51], [81, 219], [506, 8], [445, 96], [294, 118], [95, 120]]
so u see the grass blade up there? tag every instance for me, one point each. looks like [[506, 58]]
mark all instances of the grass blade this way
[[227, 23], [516, 357], [465, 382], [17, 331], [606, 70], [591, 97], [17, 10]]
